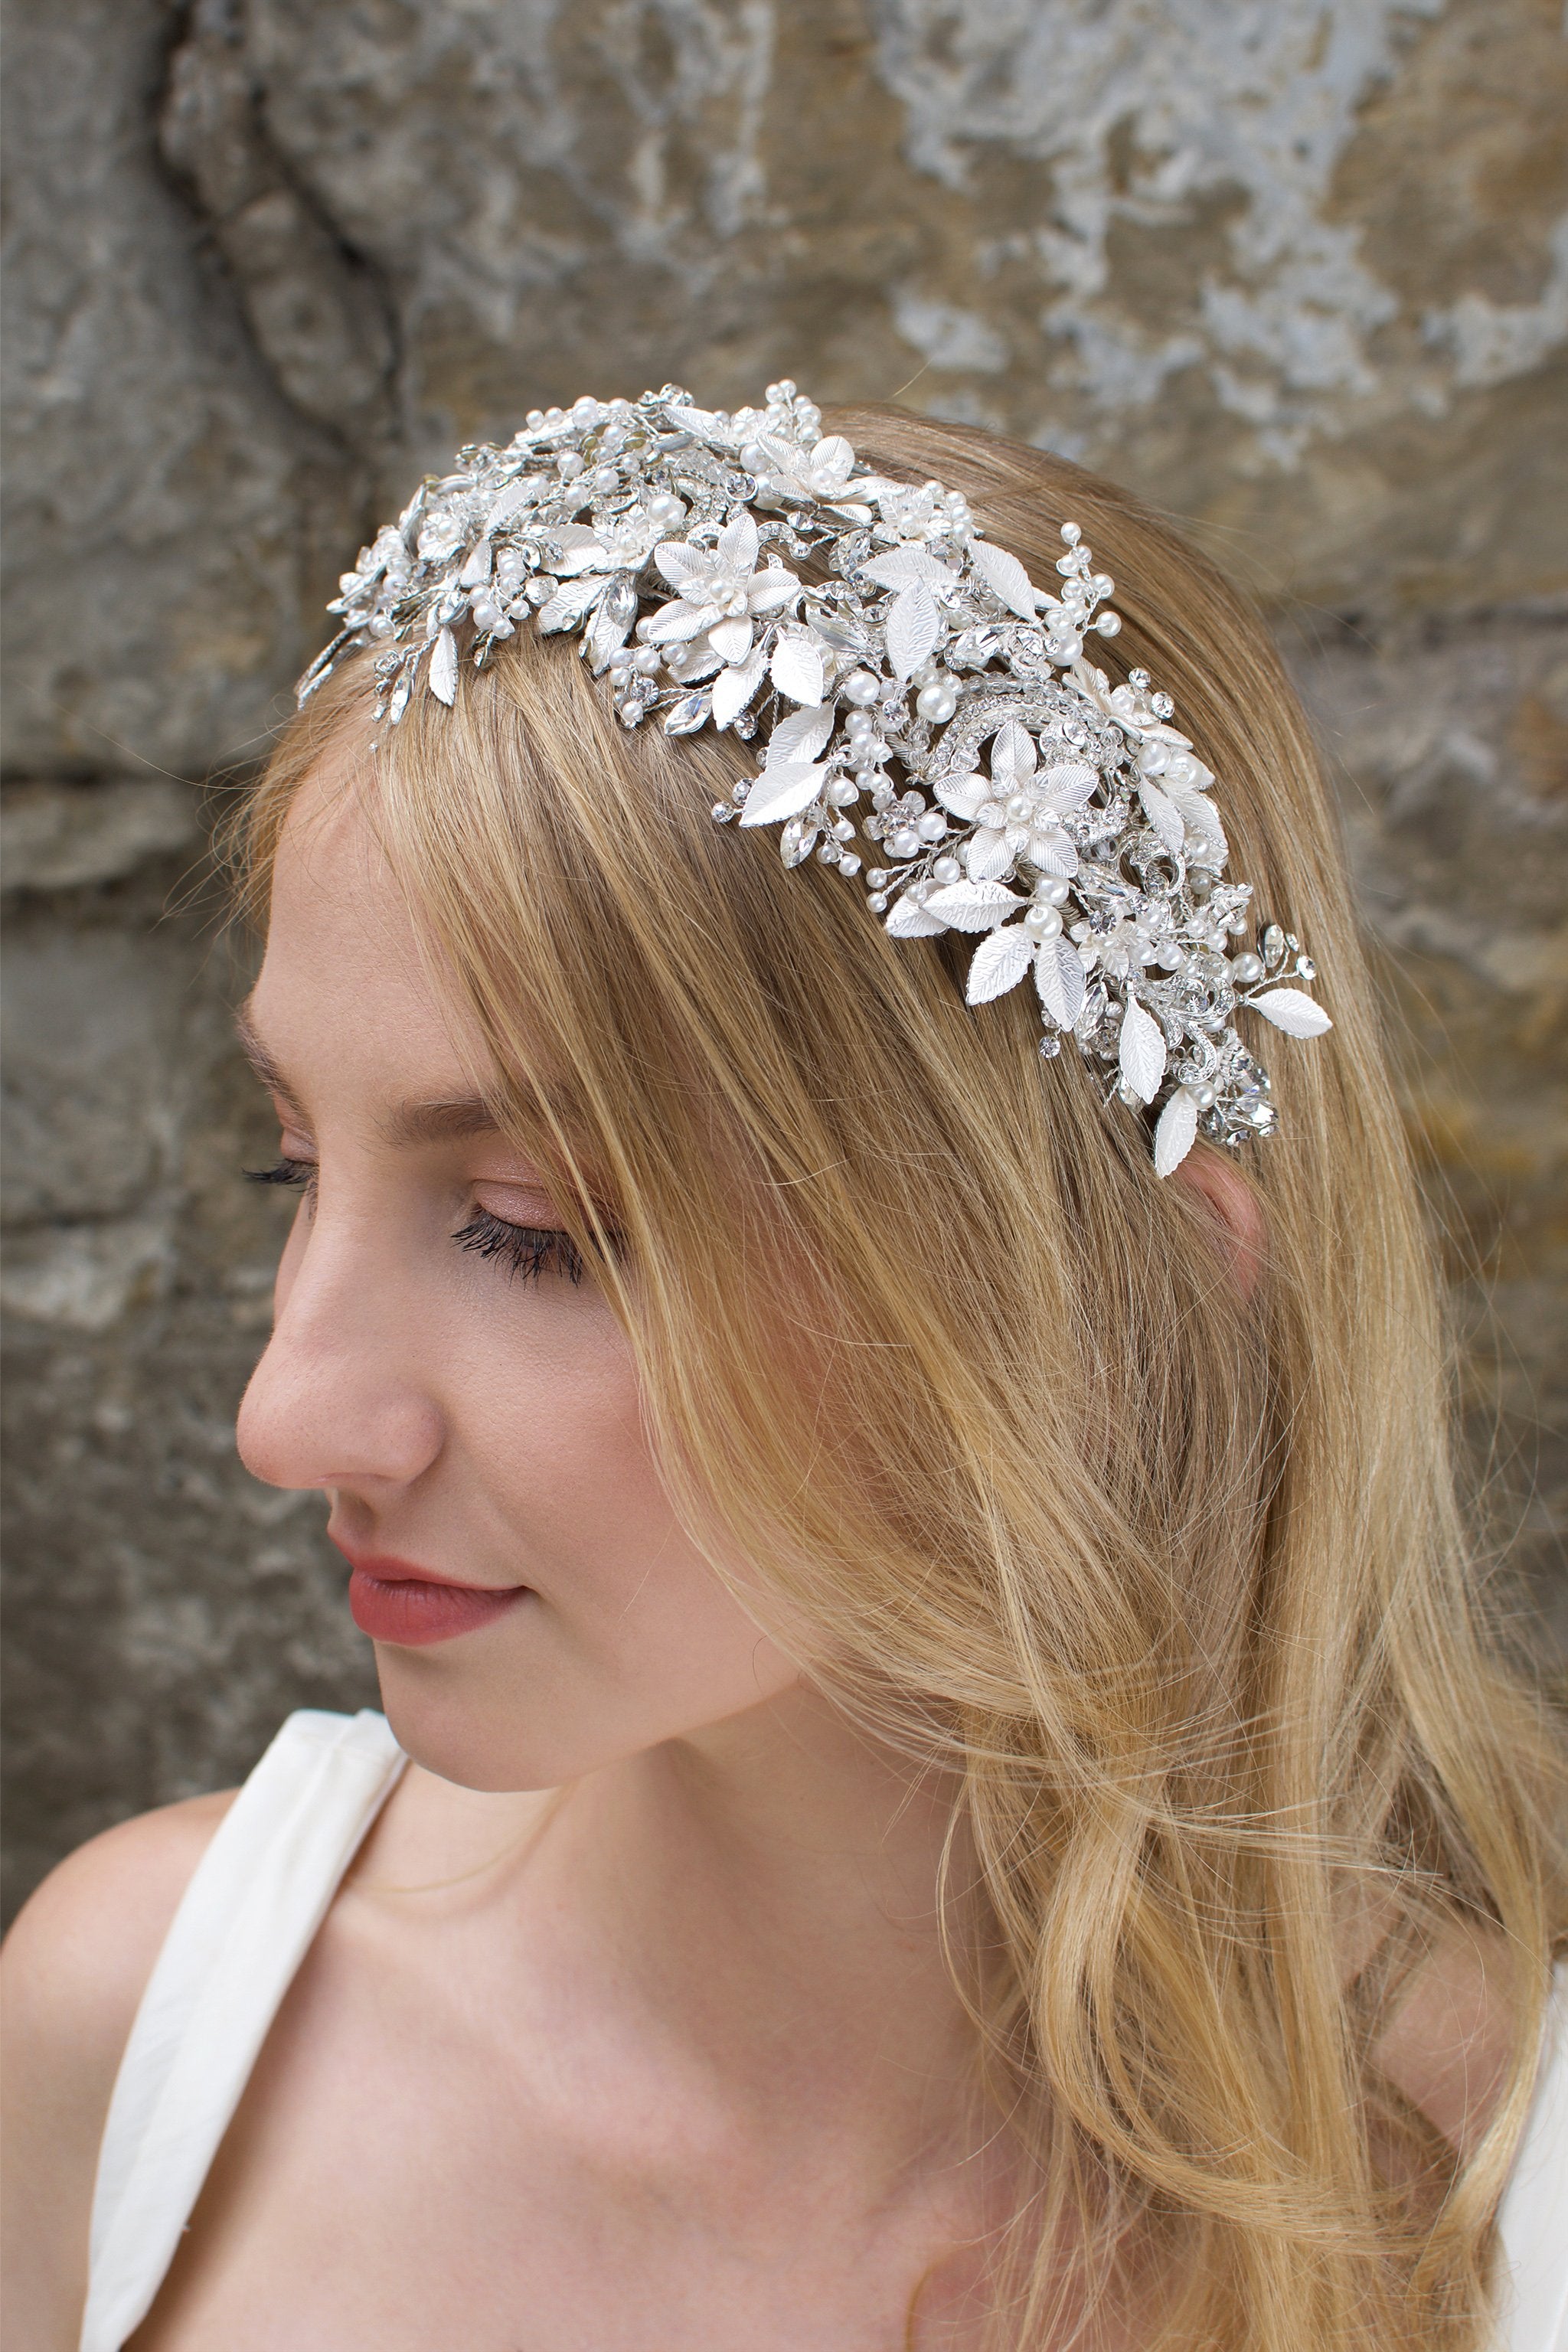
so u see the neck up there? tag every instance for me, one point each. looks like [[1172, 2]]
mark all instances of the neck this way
[[769, 1890]]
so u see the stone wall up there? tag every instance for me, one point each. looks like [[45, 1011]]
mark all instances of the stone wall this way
[[1298, 273]]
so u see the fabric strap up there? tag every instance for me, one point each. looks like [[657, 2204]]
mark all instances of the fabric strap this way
[[255, 1899]]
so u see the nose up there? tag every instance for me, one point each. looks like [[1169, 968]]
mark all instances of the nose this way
[[339, 1399]]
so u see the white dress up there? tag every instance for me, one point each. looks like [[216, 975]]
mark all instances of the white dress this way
[[255, 1900]]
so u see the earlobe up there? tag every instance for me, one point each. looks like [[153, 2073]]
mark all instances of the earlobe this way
[[1230, 1200]]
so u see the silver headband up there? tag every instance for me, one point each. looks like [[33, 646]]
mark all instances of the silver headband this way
[[925, 715]]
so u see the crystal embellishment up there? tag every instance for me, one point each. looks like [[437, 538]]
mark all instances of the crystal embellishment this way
[[927, 720]]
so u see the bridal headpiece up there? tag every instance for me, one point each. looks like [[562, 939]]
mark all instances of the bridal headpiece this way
[[926, 718]]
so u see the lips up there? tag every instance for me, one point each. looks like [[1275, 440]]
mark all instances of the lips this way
[[393, 1600]]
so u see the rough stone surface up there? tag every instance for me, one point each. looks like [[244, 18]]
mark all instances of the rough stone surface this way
[[1298, 273]]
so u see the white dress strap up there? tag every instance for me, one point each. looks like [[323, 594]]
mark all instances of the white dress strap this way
[[255, 1900], [1532, 2220]]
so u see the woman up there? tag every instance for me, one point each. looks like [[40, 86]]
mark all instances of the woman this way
[[955, 1794]]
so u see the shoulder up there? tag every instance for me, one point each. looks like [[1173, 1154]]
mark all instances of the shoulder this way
[[72, 1971], [82, 1947]]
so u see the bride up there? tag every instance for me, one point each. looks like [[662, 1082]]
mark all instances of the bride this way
[[943, 1780]]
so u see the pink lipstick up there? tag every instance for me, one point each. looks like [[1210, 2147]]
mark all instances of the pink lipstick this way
[[393, 1600]]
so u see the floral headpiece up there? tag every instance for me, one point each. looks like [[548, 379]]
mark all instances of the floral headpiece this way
[[925, 713]]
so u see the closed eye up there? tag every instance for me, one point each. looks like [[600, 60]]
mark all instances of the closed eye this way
[[531, 1251], [298, 1172]]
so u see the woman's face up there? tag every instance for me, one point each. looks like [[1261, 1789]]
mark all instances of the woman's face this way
[[470, 1411]]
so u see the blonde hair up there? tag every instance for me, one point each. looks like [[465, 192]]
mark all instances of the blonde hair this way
[[1174, 1575]]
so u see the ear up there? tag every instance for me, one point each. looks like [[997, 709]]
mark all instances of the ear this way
[[1233, 1205]]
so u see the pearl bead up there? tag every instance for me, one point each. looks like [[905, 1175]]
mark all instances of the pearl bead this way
[[1020, 809], [1153, 759], [861, 687], [1203, 1097], [841, 793], [647, 661], [1052, 893], [905, 843], [1042, 923], [867, 779], [947, 870], [877, 902], [569, 465], [1109, 624], [936, 703], [667, 510], [842, 829], [928, 674], [860, 726], [932, 826], [1246, 969], [1182, 771], [849, 864], [487, 615]]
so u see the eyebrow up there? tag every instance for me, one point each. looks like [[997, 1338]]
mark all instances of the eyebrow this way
[[449, 1120]]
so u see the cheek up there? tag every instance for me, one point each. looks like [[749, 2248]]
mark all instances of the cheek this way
[[634, 1639]]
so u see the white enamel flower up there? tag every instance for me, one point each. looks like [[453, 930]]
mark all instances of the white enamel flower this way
[[719, 593], [1017, 812], [818, 471]]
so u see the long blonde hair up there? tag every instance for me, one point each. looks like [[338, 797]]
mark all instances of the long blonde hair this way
[[1175, 1575]]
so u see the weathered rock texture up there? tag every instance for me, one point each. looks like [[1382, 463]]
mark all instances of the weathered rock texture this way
[[1298, 273]]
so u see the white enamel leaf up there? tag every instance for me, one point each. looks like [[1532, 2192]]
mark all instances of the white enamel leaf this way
[[1011, 756], [799, 737], [1201, 817], [1142, 1054], [1052, 853], [832, 463], [1058, 978], [782, 791], [913, 627], [734, 689], [797, 670], [672, 625], [989, 856], [1071, 783], [1005, 576], [1164, 818], [1175, 1132], [973, 906], [902, 565], [443, 668], [738, 542], [1293, 1011], [962, 795], [678, 563], [999, 963], [731, 639], [910, 921], [771, 590], [707, 424], [511, 501], [571, 601], [687, 663], [580, 551]]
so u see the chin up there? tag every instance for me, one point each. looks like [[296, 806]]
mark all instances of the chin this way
[[489, 1726]]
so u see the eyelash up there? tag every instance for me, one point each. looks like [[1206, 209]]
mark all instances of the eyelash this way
[[527, 1250]]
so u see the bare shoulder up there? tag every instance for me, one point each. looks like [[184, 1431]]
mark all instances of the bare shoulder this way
[[73, 1970], [1448, 2041], [81, 1949]]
